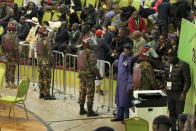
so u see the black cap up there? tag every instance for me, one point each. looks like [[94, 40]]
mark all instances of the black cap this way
[[128, 46], [90, 6]]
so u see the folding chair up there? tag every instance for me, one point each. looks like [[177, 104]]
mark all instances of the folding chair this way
[[136, 124], [123, 3], [136, 4], [20, 97], [56, 15], [2, 75], [1, 30], [47, 16], [148, 3], [19, 2]]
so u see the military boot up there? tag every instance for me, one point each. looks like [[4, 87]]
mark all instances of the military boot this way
[[91, 112], [13, 86], [41, 95], [7, 85], [82, 110], [49, 97]]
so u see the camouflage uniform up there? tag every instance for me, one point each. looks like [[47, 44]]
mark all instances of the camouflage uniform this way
[[44, 53], [87, 78], [11, 51], [148, 79], [138, 45]]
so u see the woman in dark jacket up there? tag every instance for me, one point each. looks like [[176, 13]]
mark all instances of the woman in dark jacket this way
[[31, 11]]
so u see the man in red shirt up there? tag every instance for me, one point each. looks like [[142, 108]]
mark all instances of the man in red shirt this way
[[137, 23]]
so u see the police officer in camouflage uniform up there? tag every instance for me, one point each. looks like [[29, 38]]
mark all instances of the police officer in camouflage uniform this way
[[11, 51], [45, 61], [87, 73]]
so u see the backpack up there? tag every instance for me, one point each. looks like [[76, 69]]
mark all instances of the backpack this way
[[81, 61], [40, 48], [8, 44], [136, 79]]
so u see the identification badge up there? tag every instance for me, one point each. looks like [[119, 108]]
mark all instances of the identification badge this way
[[169, 85], [125, 63]]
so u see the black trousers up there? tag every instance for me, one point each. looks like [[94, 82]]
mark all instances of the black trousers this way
[[175, 107]]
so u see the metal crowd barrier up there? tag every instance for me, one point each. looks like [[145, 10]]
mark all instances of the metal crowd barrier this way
[[106, 99], [112, 97], [64, 77], [71, 75], [28, 66], [73, 87], [59, 73]]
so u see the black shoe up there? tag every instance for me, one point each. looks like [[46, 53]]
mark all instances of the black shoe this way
[[41, 96], [123, 122], [116, 119], [48, 97], [91, 112], [82, 110]]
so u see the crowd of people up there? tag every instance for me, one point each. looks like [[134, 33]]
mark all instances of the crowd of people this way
[[142, 44]]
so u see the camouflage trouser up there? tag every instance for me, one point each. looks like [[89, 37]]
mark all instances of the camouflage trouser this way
[[44, 79], [87, 87], [10, 69]]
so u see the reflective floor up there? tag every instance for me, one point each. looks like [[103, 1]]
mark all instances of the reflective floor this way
[[60, 115]]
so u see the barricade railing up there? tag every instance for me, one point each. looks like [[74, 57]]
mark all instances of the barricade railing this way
[[112, 88], [73, 84], [104, 99], [27, 65], [59, 77], [71, 77], [64, 77]]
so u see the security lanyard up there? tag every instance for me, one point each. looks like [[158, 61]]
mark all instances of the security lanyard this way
[[170, 70], [137, 22], [74, 34], [124, 62]]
